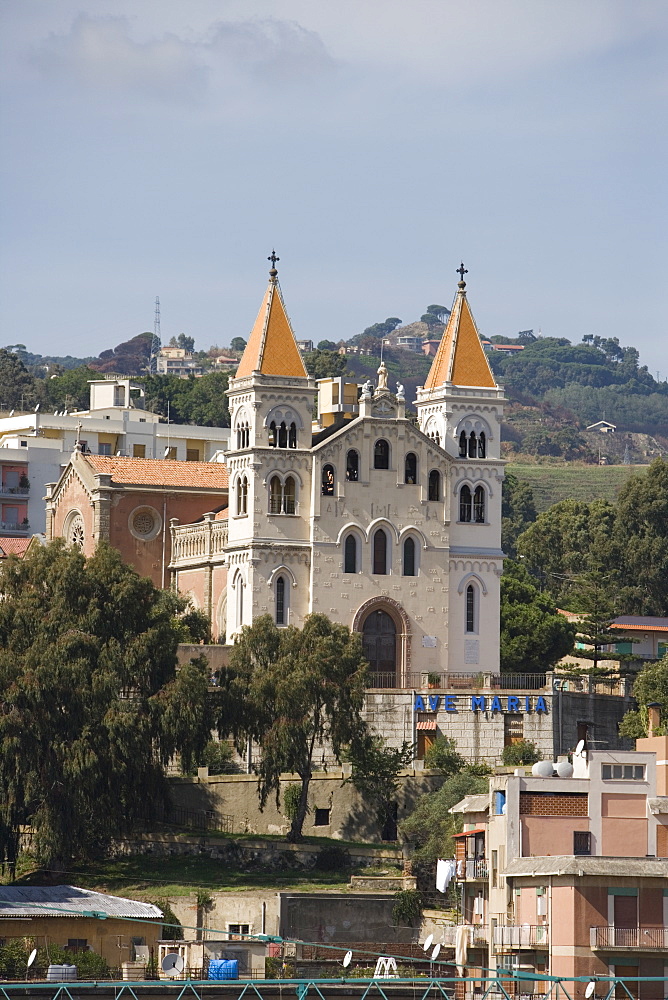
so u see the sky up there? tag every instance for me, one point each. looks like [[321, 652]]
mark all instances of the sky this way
[[163, 148]]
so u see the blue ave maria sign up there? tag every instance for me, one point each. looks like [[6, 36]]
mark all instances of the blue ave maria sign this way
[[479, 703]]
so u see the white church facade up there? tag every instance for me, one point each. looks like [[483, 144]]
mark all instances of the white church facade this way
[[389, 526]]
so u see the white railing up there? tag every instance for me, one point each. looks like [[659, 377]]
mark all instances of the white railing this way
[[448, 936], [521, 936], [644, 938], [193, 543], [478, 869]]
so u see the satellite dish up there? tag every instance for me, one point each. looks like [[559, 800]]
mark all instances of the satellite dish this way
[[172, 963], [32, 956], [591, 986], [347, 959], [427, 944], [436, 952], [166, 452], [11, 413], [37, 408], [579, 748]]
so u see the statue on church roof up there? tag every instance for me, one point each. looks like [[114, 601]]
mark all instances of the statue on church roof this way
[[382, 377]]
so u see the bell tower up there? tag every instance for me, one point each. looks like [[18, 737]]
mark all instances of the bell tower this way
[[271, 402], [460, 408]]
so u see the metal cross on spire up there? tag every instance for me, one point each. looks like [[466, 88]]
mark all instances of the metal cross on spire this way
[[273, 258], [461, 271]]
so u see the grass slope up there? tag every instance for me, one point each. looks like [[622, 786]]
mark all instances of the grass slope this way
[[551, 483]]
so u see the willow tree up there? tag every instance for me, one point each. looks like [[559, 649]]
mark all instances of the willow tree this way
[[302, 691], [93, 705]]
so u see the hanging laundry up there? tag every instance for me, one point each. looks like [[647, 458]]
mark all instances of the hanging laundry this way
[[445, 870]]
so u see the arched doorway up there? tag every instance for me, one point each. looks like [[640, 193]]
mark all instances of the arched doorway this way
[[379, 639]]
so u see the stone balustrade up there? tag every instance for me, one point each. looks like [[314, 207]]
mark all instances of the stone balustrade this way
[[196, 543]]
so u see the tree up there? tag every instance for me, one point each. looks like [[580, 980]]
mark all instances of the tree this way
[[300, 688], [325, 364], [442, 756], [534, 636], [570, 538], [187, 343], [326, 345], [590, 597], [431, 825], [651, 686], [375, 772], [518, 511], [237, 343], [641, 537], [522, 752], [17, 386], [93, 706], [71, 389], [200, 401]]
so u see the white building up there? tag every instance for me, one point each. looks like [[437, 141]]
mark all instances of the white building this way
[[35, 447], [390, 528]]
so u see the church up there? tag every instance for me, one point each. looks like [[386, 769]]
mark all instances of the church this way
[[387, 524]]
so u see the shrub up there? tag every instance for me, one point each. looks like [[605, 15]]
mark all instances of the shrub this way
[[442, 756], [523, 752], [171, 929], [291, 797], [332, 859], [407, 907]]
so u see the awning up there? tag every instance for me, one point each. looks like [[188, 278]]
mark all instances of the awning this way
[[469, 833], [427, 724]]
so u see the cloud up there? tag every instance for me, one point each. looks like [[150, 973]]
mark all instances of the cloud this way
[[244, 55], [99, 53]]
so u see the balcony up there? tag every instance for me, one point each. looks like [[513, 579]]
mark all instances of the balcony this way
[[473, 871], [14, 491], [522, 936], [477, 936], [12, 528], [625, 938], [193, 544]]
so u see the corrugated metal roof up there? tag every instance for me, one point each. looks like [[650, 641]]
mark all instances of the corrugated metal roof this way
[[582, 865], [45, 901]]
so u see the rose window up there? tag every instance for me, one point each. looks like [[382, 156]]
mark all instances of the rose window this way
[[77, 534], [143, 522]]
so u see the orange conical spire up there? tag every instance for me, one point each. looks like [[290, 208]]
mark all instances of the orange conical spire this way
[[272, 348], [460, 358]]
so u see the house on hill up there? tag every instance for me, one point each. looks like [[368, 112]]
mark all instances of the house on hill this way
[[603, 427]]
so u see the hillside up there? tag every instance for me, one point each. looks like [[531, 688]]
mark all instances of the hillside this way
[[551, 483]]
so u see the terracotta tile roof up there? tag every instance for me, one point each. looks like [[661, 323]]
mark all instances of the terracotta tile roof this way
[[222, 515], [161, 472], [14, 547], [272, 348], [460, 358]]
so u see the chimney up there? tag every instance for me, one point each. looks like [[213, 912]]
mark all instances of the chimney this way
[[653, 717]]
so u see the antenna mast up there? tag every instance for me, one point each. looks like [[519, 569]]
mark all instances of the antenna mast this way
[[155, 342]]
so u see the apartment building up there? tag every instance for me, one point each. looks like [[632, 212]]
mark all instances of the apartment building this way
[[35, 447], [564, 871]]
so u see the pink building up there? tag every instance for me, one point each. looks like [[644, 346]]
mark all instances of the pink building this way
[[564, 871]]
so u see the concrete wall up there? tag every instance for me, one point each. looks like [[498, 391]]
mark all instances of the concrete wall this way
[[109, 938], [351, 818]]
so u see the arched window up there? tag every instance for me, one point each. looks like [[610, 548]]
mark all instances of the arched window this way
[[381, 454], [473, 448], [281, 606], [273, 436], [471, 608], [479, 505], [275, 496], [282, 435], [244, 496], [410, 468], [409, 568], [350, 555], [328, 480], [379, 641], [239, 444], [289, 493], [380, 553], [352, 466], [238, 496], [292, 435], [465, 504], [243, 435], [463, 447], [434, 491], [482, 445], [240, 601]]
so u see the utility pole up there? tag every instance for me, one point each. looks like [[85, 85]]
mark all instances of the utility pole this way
[[155, 342]]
